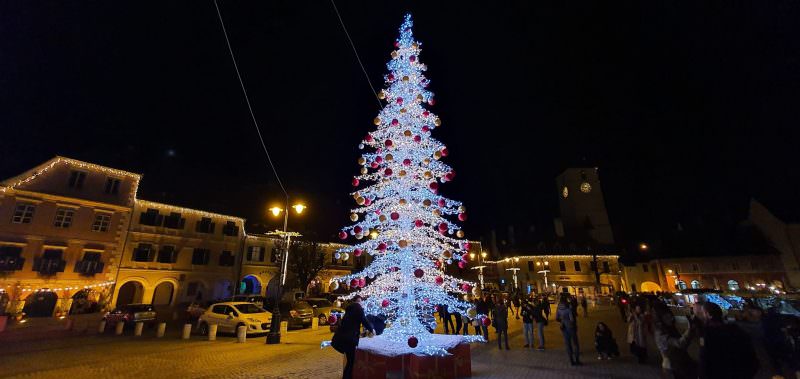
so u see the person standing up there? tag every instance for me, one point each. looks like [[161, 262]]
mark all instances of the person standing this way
[[539, 318], [447, 320], [675, 360], [585, 306], [517, 304], [482, 307], [500, 321], [637, 337], [527, 312], [546, 306], [726, 351], [569, 329], [457, 316], [345, 339]]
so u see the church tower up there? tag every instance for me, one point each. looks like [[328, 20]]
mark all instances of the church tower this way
[[582, 206]]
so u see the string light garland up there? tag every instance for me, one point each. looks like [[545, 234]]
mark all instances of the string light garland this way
[[69, 288], [172, 208], [552, 256], [401, 214], [36, 172]]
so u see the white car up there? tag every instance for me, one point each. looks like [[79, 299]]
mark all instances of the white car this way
[[228, 316]]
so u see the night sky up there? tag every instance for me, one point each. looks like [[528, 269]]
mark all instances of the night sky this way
[[688, 108]]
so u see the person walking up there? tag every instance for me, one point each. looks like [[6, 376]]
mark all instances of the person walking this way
[[546, 306], [675, 360], [345, 339], [637, 337], [465, 322], [447, 320], [569, 329], [585, 306], [726, 351], [517, 304], [540, 320], [527, 322], [500, 322], [457, 317], [482, 307], [604, 342]]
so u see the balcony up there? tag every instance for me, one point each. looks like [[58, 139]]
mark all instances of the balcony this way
[[89, 268], [49, 266], [11, 263]]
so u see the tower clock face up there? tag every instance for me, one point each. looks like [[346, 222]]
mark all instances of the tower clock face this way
[[586, 187], [564, 192]]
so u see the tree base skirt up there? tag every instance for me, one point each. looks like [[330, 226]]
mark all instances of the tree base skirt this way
[[370, 365]]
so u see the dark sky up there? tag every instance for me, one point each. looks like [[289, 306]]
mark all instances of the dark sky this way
[[688, 108]]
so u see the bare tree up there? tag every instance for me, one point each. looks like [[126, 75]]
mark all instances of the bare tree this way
[[306, 260]]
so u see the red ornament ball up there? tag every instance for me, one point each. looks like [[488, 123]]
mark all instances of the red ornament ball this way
[[382, 246], [395, 122], [358, 252], [387, 172], [367, 201], [426, 128], [407, 162], [412, 342], [385, 303], [412, 58], [355, 182], [399, 100], [373, 165], [486, 321], [462, 217], [466, 245], [379, 159], [426, 300], [418, 273], [419, 223], [396, 43], [431, 101], [434, 186], [426, 113], [466, 287], [439, 280], [450, 175], [442, 202], [417, 139], [390, 77], [462, 264], [357, 230], [388, 143], [394, 216], [332, 319], [354, 283], [442, 226], [438, 264], [342, 235], [362, 282], [445, 152], [368, 138]]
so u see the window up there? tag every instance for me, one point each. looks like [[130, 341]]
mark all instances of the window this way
[[562, 265], [101, 222], [645, 268], [204, 226], [50, 262], [230, 229], [695, 267], [275, 255], [695, 284], [226, 259], [64, 217], [143, 253], [11, 258], [680, 284], [255, 253], [530, 266], [151, 217], [606, 267], [167, 254], [200, 256], [23, 214], [733, 285], [577, 265], [76, 179], [754, 265], [112, 186], [90, 264], [174, 221], [735, 266], [715, 266]]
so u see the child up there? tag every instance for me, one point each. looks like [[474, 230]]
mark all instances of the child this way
[[604, 342]]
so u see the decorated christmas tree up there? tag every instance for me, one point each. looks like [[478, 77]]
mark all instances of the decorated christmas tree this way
[[402, 220]]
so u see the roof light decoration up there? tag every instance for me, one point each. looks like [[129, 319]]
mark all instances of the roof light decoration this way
[[402, 218]]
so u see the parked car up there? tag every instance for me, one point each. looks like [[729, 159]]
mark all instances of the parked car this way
[[130, 314], [255, 299], [322, 308], [297, 313], [228, 316]]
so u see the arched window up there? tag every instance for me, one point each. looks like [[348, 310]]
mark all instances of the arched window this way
[[695, 284], [733, 285], [680, 284]]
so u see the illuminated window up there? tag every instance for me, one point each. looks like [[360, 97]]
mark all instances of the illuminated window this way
[[562, 265], [23, 213], [577, 265], [255, 253], [680, 284], [695, 284], [64, 217], [733, 285]]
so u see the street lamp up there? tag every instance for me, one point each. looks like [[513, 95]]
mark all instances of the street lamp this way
[[545, 269], [514, 269], [480, 273], [274, 335]]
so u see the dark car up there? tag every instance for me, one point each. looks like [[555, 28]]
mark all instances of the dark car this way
[[297, 313], [131, 314]]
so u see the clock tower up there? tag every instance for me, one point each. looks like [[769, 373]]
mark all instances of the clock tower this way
[[582, 206]]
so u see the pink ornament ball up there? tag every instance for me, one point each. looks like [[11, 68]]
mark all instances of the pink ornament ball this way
[[394, 216], [412, 58], [367, 201], [357, 229], [432, 101], [355, 182], [399, 100], [388, 143], [412, 342], [426, 300], [406, 162], [342, 235], [439, 280], [418, 273], [332, 319], [385, 303], [358, 252], [442, 203], [362, 282], [462, 217], [419, 223], [462, 264], [387, 172], [395, 122], [466, 287], [466, 245], [443, 226], [382, 246]]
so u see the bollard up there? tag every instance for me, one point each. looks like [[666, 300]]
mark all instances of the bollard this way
[[187, 331], [137, 331], [162, 327], [284, 327], [315, 323], [119, 326], [212, 332], [102, 327], [241, 333]]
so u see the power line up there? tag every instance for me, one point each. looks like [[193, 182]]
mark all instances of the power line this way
[[247, 100], [341, 22]]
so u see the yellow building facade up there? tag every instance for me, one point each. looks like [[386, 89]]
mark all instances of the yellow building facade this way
[[558, 272]]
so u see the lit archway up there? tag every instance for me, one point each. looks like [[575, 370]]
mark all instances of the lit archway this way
[[250, 284], [40, 304], [130, 293], [649, 287], [733, 285], [696, 284], [163, 294]]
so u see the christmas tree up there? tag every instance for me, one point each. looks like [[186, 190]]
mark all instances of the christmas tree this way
[[401, 219]]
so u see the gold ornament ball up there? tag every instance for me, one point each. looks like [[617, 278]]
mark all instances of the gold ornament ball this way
[[426, 161], [362, 161], [460, 234], [405, 78], [376, 121], [382, 218], [402, 201], [447, 254], [462, 209], [364, 170], [419, 97], [334, 286], [403, 243], [414, 45], [426, 203], [437, 212], [437, 155], [389, 157], [427, 175], [360, 200], [402, 173], [407, 133], [381, 95], [403, 110], [359, 236], [353, 217], [437, 122], [394, 54]]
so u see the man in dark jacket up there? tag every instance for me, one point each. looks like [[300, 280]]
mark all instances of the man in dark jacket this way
[[726, 351], [483, 307], [345, 340], [565, 314]]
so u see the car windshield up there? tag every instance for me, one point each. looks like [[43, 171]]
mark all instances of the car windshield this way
[[301, 305], [249, 308], [320, 303]]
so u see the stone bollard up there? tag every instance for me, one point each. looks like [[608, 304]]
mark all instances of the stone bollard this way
[[212, 332], [241, 334], [162, 327], [102, 327], [137, 331], [119, 326], [315, 323], [187, 331], [284, 327]]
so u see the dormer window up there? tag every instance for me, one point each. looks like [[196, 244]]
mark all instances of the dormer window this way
[[230, 229], [205, 225], [112, 186], [76, 179], [174, 221], [151, 217]]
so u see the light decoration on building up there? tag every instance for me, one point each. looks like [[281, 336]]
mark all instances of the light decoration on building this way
[[68, 288], [144, 204], [553, 256], [401, 216]]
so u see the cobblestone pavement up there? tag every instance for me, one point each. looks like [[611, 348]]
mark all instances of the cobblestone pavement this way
[[300, 357]]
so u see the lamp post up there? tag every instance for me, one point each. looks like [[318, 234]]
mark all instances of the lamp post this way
[[514, 270], [545, 268], [274, 335]]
